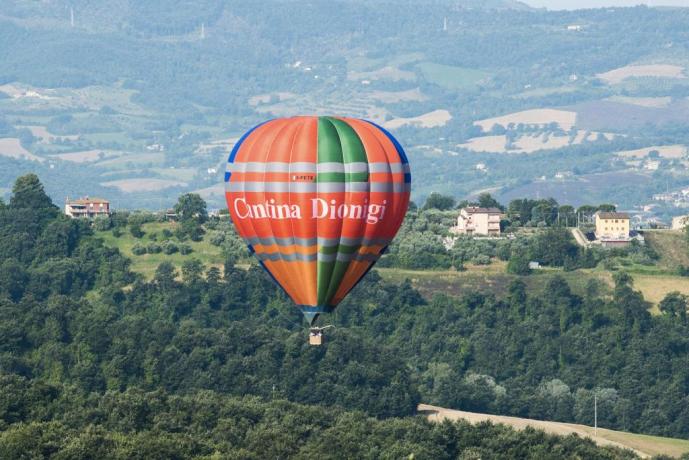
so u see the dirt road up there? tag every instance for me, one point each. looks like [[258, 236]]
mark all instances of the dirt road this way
[[643, 445]]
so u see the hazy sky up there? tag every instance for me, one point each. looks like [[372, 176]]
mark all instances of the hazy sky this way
[[574, 4]]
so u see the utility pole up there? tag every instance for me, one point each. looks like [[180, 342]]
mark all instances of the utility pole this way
[[203, 30], [595, 413], [445, 24], [71, 16]]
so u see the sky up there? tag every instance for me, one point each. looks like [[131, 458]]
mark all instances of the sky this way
[[574, 4]]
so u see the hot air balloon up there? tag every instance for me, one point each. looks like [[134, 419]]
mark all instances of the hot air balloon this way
[[317, 200]]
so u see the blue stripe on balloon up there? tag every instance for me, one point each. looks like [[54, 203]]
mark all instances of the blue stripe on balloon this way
[[398, 146], [236, 147]]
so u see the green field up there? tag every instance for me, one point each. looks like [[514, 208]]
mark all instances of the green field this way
[[146, 264], [489, 279], [452, 77]]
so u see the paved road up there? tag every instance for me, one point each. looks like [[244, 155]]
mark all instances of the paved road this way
[[581, 239]]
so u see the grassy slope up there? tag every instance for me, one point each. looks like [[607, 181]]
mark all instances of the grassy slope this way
[[486, 279], [655, 282], [643, 445], [146, 264]]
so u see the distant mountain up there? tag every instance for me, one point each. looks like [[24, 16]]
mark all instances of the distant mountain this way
[[147, 98]]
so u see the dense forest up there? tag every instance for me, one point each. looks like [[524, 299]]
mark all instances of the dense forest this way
[[94, 358]]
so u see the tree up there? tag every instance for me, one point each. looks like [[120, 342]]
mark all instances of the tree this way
[[165, 276], [675, 304], [586, 210], [28, 193], [191, 207], [437, 201], [518, 263], [607, 207], [485, 200]]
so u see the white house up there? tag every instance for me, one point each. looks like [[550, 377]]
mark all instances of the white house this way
[[680, 222], [478, 221]]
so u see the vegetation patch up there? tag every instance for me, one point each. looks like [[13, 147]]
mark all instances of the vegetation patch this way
[[452, 77]]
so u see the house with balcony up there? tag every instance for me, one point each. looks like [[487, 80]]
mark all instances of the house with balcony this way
[[477, 221], [87, 208]]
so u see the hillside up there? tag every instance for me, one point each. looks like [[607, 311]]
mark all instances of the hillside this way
[[654, 281], [462, 84], [644, 446]]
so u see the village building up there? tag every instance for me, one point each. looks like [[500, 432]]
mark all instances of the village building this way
[[87, 207], [478, 221], [612, 227], [680, 222]]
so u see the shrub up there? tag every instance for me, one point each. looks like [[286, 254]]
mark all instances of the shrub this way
[[217, 238], [138, 249], [518, 264], [169, 247], [136, 231], [154, 248], [481, 259], [102, 223], [185, 249]]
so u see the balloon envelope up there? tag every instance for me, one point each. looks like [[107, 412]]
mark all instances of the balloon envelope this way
[[317, 199]]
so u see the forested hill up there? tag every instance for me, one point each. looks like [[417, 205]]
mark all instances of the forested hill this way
[[94, 358]]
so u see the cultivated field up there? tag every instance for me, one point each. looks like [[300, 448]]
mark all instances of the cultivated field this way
[[650, 102], [617, 76], [617, 116], [46, 137], [87, 156], [387, 73], [391, 97], [666, 151], [143, 184], [11, 147], [643, 445], [529, 143], [428, 120], [565, 119]]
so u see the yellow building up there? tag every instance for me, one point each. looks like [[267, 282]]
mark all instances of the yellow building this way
[[612, 226]]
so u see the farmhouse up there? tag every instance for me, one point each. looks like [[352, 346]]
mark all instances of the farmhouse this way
[[87, 207], [612, 227], [478, 221]]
